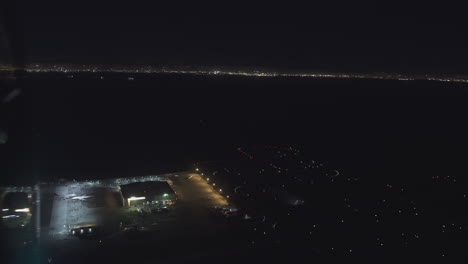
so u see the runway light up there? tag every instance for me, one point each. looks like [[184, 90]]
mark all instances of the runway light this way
[[24, 210]]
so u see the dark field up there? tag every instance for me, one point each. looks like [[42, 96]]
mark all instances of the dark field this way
[[85, 127], [399, 146]]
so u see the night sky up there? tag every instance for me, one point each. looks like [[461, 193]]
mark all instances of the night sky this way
[[321, 37]]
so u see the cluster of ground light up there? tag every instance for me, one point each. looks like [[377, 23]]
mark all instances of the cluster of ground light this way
[[294, 202], [69, 69]]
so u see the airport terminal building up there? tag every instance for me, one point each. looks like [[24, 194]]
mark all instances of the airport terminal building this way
[[148, 193]]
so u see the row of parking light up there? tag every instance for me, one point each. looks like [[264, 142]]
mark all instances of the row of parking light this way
[[23, 210], [82, 231], [213, 184]]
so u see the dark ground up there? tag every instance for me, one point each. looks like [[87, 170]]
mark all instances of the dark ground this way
[[85, 127], [379, 131]]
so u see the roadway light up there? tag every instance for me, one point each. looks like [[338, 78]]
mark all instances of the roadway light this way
[[165, 195], [81, 231], [73, 232], [90, 230], [227, 196], [220, 190], [207, 179], [196, 169], [214, 184], [5, 210]]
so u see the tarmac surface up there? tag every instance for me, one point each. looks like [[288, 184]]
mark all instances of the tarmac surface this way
[[188, 233]]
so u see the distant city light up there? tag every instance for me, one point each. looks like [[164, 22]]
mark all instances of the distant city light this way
[[24, 210], [244, 72]]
